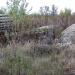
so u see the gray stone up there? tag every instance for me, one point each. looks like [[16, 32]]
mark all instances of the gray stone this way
[[68, 35]]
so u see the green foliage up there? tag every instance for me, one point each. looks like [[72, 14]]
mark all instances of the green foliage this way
[[15, 6], [18, 10], [65, 16], [66, 12], [2, 10]]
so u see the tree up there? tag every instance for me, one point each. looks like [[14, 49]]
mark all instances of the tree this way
[[18, 10], [65, 16], [66, 12], [54, 10], [2, 10], [45, 10], [17, 7]]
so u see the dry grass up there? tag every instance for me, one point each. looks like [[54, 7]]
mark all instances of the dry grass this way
[[24, 60]]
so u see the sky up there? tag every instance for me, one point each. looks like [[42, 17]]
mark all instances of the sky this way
[[36, 4]]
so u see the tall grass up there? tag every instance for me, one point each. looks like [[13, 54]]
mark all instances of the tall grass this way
[[23, 60]]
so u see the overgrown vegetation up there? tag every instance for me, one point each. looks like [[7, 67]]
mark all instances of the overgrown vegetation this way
[[24, 55], [24, 61]]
